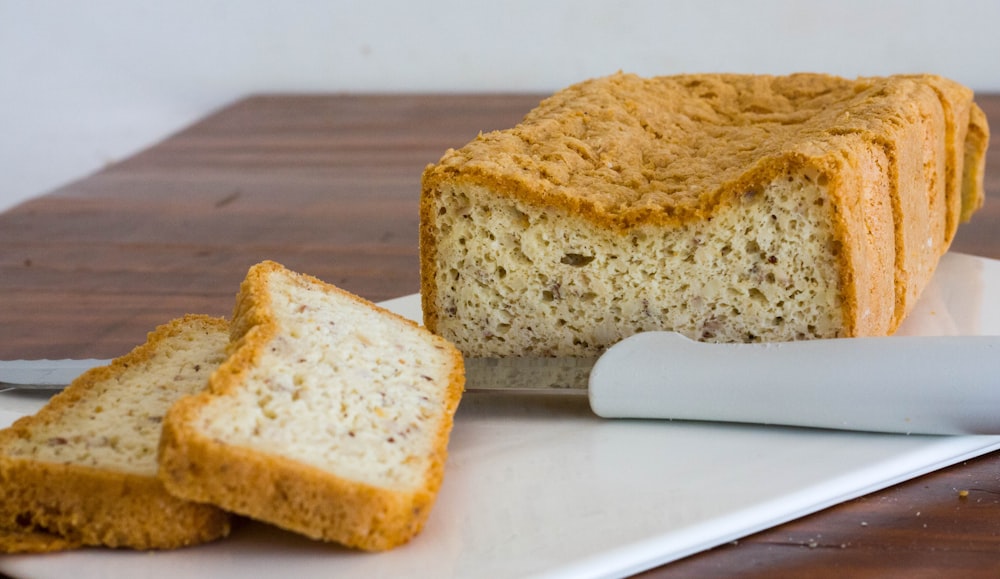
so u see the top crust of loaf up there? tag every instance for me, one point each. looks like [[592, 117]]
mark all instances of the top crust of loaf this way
[[624, 150], [313, 397]]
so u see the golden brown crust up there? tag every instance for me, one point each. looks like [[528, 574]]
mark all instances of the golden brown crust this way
[[283, 491], [18, 541], [95, 506], [863, 226], [427, 240], [977, 141], [621, 151], [956, 103], [624, 150], [905, 118]]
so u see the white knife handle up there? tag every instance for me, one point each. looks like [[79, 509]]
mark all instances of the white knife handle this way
[[912, 384]]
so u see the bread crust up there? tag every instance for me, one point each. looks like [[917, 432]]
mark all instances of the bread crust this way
[[280, 490], [18, 541], [977, 141]]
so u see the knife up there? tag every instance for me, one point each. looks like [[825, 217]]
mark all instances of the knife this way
[[903, 384]]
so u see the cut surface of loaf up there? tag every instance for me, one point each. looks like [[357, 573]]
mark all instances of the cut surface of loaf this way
[[83, 469], [331, 418], [723, 207]]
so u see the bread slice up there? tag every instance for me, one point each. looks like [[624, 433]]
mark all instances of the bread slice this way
[[83, 469], [724, 207], [331, 418], [977, 141], [966, 138]]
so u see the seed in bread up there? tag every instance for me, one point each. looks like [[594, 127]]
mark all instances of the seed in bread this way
[[83, 469], [331, 418], [723, 207]]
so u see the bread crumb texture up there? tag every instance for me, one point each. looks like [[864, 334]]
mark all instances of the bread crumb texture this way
[[82, 471], [724, 207], [330, 419]]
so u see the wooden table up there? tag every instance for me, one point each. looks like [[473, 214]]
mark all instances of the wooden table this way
[[329, 185]]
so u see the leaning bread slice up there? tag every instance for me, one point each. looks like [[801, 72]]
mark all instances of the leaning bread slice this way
[[82, 470], [331, 418]]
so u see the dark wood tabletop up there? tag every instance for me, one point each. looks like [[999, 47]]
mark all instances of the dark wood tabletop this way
[[329, 185]]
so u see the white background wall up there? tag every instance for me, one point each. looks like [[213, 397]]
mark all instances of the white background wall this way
[[84, 83]]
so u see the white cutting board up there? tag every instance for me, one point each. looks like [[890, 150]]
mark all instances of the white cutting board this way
[[538, 486]]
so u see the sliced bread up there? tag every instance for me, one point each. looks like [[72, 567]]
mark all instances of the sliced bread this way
[[724, 207], [331, 417], [83, 469]]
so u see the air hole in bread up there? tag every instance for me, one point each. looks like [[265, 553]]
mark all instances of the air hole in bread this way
[[576, 259]]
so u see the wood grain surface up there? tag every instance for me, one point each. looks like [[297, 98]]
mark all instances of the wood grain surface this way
[[329, 185]]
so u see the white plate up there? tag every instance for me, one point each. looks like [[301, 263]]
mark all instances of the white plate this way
[[538, 486]]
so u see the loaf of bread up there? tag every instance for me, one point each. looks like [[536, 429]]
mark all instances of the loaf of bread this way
[[724, 207], [83, 469], [331, 417]]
